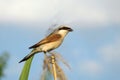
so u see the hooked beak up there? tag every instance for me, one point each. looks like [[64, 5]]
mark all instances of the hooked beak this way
[[70, 29]]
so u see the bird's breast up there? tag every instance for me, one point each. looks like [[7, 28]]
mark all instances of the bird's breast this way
[[50, 46]]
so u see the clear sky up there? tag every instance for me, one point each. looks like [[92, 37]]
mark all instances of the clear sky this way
[[92, 49]]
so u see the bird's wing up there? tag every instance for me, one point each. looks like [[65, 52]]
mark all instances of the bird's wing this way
[[48, 39]]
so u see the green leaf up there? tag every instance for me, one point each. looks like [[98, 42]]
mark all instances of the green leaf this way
[[25, 71]]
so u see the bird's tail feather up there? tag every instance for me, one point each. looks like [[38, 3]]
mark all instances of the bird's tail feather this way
[[28, 56]]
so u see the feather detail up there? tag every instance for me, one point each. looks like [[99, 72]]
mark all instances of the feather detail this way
[[48, 39]]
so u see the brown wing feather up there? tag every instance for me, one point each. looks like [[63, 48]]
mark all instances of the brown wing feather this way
[[50, 38]]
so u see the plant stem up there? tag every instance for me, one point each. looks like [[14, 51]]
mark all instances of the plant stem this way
[[54, 67]]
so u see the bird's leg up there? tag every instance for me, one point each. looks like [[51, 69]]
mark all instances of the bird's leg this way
[[45, 53]]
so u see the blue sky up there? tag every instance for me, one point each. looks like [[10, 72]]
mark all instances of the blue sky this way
[[92, 49]]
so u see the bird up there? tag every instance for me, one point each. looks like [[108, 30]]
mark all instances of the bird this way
[[49, 43]]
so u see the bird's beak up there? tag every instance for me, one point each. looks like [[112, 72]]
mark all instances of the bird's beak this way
[[70, 30]]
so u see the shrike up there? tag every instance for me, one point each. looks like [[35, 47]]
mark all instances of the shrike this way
[[50, 42]]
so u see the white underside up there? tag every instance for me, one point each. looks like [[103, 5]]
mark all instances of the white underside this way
[[49, 46]]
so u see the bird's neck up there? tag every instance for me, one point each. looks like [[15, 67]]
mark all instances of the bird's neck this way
[[63, 33]]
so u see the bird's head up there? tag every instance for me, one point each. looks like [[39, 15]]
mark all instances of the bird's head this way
[[63, 30]]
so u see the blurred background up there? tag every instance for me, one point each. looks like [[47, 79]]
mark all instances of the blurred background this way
[[92, 50]]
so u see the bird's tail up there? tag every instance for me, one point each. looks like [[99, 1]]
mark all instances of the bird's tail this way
[[28, 56]]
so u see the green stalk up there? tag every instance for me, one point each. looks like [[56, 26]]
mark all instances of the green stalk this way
[[25, 71]]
